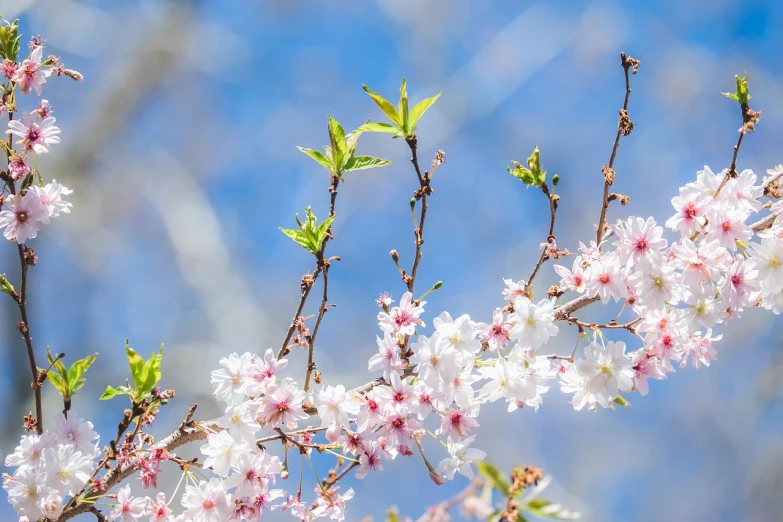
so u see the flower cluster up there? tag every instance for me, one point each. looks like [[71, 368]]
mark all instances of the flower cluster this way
[[24, 212], [50, 467], [678, 293]]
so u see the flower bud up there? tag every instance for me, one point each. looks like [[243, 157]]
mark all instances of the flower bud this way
[[437, 478], [5, 286], [73, 75]]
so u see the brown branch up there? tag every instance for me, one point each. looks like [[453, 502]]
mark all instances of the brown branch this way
[[421, 194], [549, 239], [749, 120], [319, 267], [611, 325], [624, 128], [732, 172], [21, 301], [321, 313], [185, 434], [764, 223], [565, 310]]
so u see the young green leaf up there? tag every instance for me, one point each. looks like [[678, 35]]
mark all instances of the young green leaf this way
[[151, 373], [57, 382], [741, 95], [323, 228], [404, 108], [364, 162], [620, 401], [76, 373], [495, 477], [298, 237], [112, 392], [9, 40], [533, 175], [338, 142], [136, 364], [318, 156], [381, 127], [546, 509], [310, 235], [387, 108], [145, 374], [6, 286], [419, 109]]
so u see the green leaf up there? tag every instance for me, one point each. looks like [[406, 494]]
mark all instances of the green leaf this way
[[5, 285], [404, 108], [77, 370], [298, 237], [337, 141], [112, 392], [741, 95], [317, 156], [381, 127], [323, 228], [145, 374], [310, 235], [151, 373], [364, 162], [520, 518], [419, 109], [136, 364], [352, 140], [9, 41], [497, 478], [386, 106], [57, 382], [620, 401], [56, 363], [533, 175], [546, 509]]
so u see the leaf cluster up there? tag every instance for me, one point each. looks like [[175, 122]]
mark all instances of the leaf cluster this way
[[144, 374], [533, 175], [535, 506], [339, 157], [68, 381], [403, 122], [310, 235], [9, 40]]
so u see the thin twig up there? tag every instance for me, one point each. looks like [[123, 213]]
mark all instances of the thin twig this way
[[732, 172], [319, 267], [624, 127], [550, 238], [21, 301], [424, 190]]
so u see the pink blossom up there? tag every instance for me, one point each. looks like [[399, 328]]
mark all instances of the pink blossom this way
[[403, 319], [23, 216], [37, 135], [30, 75]]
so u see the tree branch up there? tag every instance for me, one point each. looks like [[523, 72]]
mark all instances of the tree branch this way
[[624, 128]]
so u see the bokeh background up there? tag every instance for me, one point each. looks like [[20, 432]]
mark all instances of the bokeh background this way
[[180, 148]]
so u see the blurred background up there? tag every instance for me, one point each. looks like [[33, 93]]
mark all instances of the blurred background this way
[[180, 148]]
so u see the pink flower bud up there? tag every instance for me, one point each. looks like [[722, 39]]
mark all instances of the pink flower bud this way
[[437, 478]]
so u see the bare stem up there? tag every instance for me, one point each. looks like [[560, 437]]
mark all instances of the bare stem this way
[[21, 301], [319, 267], [624, 127], [550, 238]]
